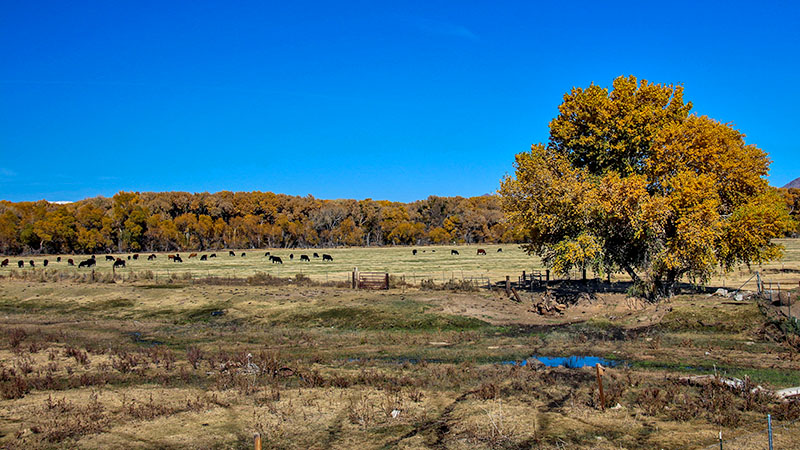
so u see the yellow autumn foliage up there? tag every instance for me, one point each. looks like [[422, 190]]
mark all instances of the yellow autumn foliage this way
[[631, 182]]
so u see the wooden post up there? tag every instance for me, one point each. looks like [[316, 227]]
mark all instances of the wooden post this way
[[547, 276], [508, 285], [257, 441], [354, 281], [387, 280], [600, 385]]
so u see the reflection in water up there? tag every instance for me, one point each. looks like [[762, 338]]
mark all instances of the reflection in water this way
[[572, 362]]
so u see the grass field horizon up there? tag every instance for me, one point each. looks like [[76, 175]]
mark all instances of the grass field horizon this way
[[432, 262]]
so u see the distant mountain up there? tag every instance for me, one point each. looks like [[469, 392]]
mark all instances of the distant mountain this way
[[795, 184]]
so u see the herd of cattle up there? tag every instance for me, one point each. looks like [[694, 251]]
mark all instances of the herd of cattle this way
[[119, 262], [481, 251]]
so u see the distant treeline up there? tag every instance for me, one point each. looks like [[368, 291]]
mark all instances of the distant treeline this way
[[792, 197], [173, 221]]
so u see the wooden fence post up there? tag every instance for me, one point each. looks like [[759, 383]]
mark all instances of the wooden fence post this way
[[600, 385], [387, 280], [508, 285]]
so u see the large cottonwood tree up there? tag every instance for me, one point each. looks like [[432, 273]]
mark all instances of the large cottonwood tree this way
[[630, 181]]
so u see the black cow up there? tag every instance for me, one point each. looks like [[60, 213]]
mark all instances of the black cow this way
[[316, 255], [87, 263], [129, 257], [213, 255], [231, 253], [110, 258], [276, 259], [177, 258], [291, 255], [135, 256], [453, 252], [244, 254], [45, 263], [304, 258], [119, 263], [32, 263], [203, 258], [414, 252], [151, 257], [70, 262], [21, 264], [499, 250], [327, 257], [4, 263], [58, 259], [266, 254]]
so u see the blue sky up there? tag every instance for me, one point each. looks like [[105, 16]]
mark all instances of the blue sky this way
[[383, 100]]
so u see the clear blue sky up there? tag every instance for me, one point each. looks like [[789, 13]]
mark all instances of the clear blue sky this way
[[386, 100]]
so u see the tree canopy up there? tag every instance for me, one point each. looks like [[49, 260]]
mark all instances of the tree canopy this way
[[631, 182], [170, 221]]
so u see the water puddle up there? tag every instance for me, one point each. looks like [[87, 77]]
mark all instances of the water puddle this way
[[571, 362]]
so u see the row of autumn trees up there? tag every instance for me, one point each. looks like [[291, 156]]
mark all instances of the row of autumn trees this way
[[172, 221]]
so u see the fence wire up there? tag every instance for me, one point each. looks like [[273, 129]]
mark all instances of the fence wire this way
[[784, 437]]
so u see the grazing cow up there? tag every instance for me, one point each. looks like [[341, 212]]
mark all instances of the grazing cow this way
[[170, 256], [327, 257], [129, 257], [481, 251], [192, 255], [414, 252], [316, 255], [135, 256], [291, 255], [453, 252], [276, 259], [31, 263], [177, 258], [499, 250], [151, 257], [87, 263], [58, 259], [119, 263], [70, 262], [231, 253], [244, 254], [21, 264], [45, 263], [110, 258], [266, 254], [203, 258], [4, 263], [304, 258], [213, 255]]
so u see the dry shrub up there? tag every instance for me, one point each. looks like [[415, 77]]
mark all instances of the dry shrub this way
[[80, 356], [12, 384], [194, 355], [15, 336], [360, 411], [486, 391], [125, 362], [60, 420], [146, 411]]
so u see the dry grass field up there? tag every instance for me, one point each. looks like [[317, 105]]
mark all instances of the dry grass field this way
[[203, 361], [430, 263]]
